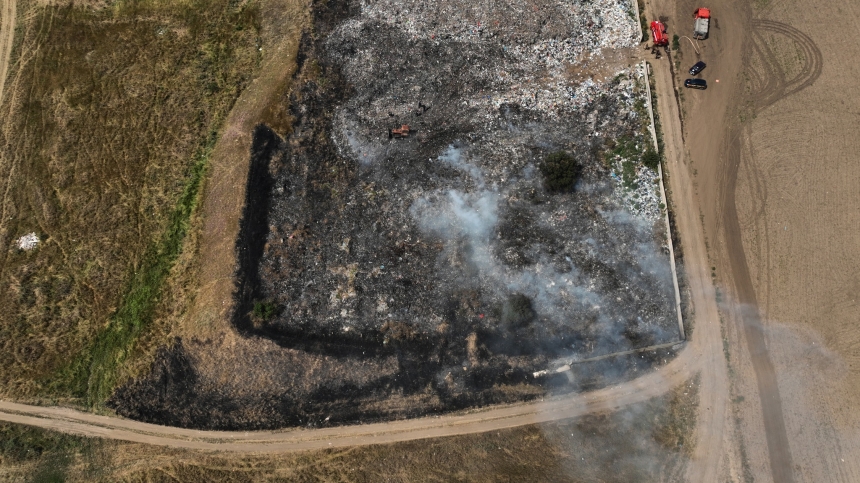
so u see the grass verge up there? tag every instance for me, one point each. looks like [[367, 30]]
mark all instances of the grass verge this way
[[94, 374]]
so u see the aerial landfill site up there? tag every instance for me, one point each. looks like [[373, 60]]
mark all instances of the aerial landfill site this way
[[468, 196]]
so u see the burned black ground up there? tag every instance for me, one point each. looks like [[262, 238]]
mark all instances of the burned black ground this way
[[433, 272]]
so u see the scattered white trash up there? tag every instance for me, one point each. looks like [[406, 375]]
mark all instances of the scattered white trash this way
[[28, 241]]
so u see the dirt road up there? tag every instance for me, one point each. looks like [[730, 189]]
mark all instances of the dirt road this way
[[792, 211], [772, 155], [7, 36], [713, 387], [608, 399], [712, 141]]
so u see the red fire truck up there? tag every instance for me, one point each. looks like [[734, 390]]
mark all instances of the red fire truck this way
[[658, 34]]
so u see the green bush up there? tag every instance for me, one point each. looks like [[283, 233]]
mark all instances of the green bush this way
[[676, 42], [265, 310], [651, 159], [561, 171]]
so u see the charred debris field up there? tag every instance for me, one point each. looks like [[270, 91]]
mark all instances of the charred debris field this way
[[516, 226]]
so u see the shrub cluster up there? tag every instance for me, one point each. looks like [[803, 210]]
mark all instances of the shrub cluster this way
[[561, 171], [265, 310], [651, 159]]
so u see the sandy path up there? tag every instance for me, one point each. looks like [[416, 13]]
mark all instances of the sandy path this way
[[7, 36], [713, 387], [706, 117], [224, 194], [607, 399]]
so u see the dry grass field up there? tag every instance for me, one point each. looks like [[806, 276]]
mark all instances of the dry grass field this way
[[108, 122]]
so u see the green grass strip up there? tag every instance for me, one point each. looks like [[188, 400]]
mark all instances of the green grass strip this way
[[92, 376]]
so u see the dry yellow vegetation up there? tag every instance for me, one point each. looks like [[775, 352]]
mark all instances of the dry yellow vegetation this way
[[108, 122]]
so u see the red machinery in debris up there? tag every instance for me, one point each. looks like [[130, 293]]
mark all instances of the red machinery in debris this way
[[658, 34], [401, 132]]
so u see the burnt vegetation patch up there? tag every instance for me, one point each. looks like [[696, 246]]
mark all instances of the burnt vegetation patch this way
[[428, 271]]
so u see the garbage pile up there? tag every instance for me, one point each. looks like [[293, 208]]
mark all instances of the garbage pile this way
[[637, 187], [539, 40], [642, 197], [477, 97], [526, 27]]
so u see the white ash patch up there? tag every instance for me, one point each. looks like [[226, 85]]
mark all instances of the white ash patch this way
[[554, 31], [642, 196], [27, 242], [540, 40]]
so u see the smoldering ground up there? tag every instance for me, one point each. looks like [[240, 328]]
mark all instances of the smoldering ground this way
[[648, 441], [440, 257]]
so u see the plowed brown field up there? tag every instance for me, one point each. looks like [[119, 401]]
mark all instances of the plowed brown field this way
[[773, 149]]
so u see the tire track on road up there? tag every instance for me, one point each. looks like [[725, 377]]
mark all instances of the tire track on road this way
[[776, 87], [810, 71], [8, 11]]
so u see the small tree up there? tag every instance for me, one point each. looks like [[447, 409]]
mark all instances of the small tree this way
[[265, 310], [561, 171], [651, 159]]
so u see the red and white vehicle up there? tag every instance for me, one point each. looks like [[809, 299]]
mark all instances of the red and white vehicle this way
[[703, 18], [658, 34]]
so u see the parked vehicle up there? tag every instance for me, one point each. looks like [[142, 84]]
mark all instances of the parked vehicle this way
[[658, 34], [703, 18], [696, 84], [697, 67]]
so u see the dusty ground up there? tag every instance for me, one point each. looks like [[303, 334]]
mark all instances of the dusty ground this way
[[799, 209], [773, 154], [8, 9]]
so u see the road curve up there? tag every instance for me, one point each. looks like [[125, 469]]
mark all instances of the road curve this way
[[611, 398]]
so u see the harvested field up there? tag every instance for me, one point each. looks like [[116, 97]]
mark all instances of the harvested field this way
[[798, 209], [384, 276], [778, 177]]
